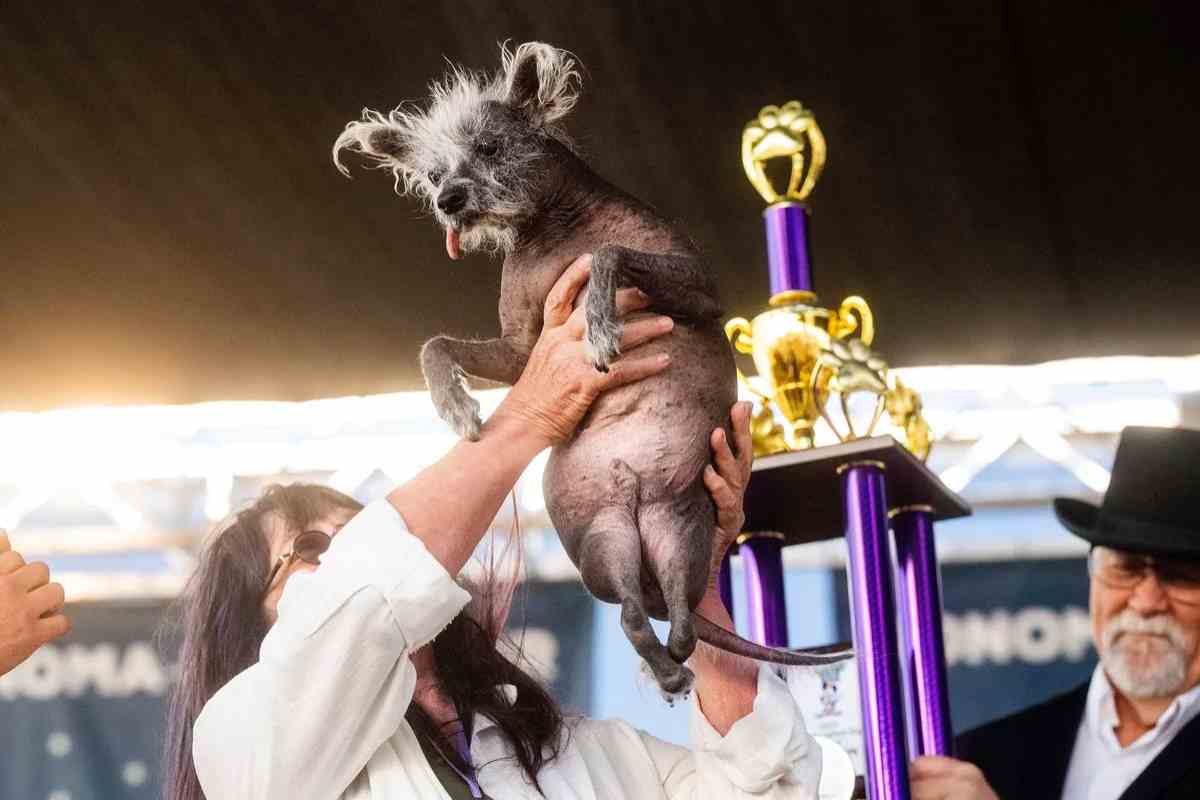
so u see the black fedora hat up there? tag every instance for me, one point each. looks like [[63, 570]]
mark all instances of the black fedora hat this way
[[1153, 500]]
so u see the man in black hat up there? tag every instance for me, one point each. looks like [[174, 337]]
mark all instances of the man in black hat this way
[[1133, 731]]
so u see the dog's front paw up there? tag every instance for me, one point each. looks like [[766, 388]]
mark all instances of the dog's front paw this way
[[602, 341], [455, 405]]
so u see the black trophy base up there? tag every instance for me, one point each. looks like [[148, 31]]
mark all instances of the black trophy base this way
[[799, 494]]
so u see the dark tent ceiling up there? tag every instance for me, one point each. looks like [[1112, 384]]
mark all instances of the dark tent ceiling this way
[[1007, 181]]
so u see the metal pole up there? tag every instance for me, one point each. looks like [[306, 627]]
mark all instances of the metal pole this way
[[920, 590], [766, 607], [873, 620]]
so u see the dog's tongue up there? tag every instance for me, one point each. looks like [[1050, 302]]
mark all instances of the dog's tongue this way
[[452, 249]]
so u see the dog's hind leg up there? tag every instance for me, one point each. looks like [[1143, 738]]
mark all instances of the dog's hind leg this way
[[678, 533], [610, 562]]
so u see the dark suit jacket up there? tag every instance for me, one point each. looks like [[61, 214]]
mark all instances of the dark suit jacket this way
[[1025, 756]]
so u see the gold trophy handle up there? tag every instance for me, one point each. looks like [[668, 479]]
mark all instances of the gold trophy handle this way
[[740, 333], [853, 315]]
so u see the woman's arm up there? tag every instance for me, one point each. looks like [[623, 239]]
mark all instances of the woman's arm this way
[[334, 677], [333, 680], [450, 505], [726, 685]]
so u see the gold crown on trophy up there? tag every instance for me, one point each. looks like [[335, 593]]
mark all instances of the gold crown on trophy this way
[[806, 354]]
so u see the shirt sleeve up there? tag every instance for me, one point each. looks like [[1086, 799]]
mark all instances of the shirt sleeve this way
[[333, 680], [767, 754]]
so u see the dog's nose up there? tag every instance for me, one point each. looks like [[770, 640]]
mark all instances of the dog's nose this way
[[452, 199]]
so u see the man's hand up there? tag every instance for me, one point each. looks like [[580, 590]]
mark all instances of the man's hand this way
[[727, 482], [30, 607], [941, 778]]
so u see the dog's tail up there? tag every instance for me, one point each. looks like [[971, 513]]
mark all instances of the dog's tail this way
[[713, 634]]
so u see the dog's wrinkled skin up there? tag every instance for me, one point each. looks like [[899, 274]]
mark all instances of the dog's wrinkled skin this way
[[626, 493]]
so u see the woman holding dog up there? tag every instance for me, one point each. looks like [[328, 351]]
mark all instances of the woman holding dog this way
[[366, 679]]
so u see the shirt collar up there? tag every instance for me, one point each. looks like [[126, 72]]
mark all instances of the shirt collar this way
[[1101, 712], [484, 723]]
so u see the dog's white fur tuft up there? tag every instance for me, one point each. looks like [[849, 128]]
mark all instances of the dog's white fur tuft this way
[[411, 142]]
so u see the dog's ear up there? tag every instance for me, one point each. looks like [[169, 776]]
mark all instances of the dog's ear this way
[[378, 137], [539, 80]]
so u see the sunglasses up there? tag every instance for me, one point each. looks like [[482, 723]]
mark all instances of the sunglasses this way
[[307, 547]]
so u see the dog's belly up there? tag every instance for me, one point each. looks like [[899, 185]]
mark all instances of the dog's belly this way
[[659, 427]]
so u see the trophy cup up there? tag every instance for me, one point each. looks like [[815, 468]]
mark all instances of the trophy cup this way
[[805, 356]]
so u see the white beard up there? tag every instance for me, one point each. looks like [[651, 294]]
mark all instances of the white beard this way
[[1146, 666]]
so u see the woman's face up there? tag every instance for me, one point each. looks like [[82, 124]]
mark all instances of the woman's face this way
[[279, 541]]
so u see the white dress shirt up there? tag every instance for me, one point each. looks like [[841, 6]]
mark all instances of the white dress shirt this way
[[1100, 768], [321, 715]]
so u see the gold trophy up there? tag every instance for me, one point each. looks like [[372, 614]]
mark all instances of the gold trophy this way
[[805, 353]]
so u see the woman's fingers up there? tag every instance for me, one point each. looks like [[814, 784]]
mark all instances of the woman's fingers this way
[[630, 300], [742, 440], [727, 464], [643, 330], [628, 370], [722, 493], [560, 302]]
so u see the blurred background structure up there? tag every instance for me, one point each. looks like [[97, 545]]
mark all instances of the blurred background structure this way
[[187, 281]]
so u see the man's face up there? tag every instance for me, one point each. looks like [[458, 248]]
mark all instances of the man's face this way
[[1146, 629]]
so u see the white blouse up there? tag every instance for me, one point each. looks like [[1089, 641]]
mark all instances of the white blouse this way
[[321, 715]]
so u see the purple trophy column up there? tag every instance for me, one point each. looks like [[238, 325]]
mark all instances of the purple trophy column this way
[[766, 609], [788, 254], [725, 582], [925, 651], [873, 621]]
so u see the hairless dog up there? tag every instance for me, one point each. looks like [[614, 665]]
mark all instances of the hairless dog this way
[[626, 493]]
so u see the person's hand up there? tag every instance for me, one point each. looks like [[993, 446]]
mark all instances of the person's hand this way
[[941, 778], [559, 384], [727, 481], [30, 607]]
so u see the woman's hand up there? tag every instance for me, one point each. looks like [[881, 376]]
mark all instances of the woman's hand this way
[[727, 482], [559, 384]]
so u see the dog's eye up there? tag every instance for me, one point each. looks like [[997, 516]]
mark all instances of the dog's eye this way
[[435, 176], [489, 147]]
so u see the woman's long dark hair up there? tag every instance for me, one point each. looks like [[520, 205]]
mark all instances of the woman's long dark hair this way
[[223, 625]]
